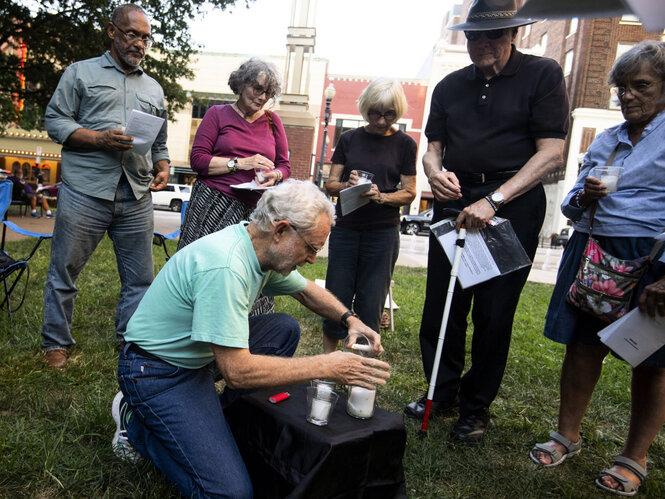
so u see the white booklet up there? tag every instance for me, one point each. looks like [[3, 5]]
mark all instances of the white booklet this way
[[487, 253], [143, 127], [635, 336], [350, 197]]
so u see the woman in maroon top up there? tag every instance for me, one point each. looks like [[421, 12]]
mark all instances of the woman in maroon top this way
[[233, 143]]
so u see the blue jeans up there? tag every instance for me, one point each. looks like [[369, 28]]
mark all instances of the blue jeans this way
[[360, 267], [80, 225], [177, 419]]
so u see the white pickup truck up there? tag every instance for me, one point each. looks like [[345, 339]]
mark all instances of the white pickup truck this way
[[173, 195]]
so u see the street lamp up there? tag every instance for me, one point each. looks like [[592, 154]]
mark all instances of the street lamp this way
[[330, 95]]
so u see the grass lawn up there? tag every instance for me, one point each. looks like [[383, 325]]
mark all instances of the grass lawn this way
[[56, 426]]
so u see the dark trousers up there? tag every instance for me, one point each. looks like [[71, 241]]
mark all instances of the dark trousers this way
[[492, 305]]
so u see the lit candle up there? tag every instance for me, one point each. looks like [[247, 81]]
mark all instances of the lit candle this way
[[360, 403]]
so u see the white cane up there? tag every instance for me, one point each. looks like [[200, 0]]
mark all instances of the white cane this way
[[444, 323]]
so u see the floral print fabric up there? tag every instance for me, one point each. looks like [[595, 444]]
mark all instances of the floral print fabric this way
[[604, 284]]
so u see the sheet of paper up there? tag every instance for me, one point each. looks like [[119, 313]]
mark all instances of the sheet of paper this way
[[251, 186], [143, 127], [350, 197], [477, 264], [635, 336]]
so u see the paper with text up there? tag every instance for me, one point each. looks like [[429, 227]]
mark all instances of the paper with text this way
[[635, 336], [350, 197], [143, 127]]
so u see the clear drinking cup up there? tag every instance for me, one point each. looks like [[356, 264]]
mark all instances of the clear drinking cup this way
[[608, 175], [365, 177], [320, 404]]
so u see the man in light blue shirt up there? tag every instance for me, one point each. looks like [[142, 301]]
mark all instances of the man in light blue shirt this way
[[105, 185], [193, 322]]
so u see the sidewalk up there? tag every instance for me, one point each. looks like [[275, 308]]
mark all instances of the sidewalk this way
[[413, 249]]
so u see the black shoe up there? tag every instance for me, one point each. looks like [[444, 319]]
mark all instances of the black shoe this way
[[416, 410], [471, 429]]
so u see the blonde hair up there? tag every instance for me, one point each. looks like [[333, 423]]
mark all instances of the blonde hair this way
[[381, 95]]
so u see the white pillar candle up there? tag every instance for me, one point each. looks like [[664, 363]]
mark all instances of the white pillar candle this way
[[323, 390], [361, 402], [320, 410]]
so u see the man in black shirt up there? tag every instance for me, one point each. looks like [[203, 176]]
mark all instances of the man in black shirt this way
[[495, 129]]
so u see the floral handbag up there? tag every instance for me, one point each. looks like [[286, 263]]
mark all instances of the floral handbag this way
[[604, 284]]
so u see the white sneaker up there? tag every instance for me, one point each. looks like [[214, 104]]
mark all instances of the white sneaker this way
[[121, 447]]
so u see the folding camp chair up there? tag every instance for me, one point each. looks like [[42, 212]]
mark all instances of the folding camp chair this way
[[159, 239], [12, 270]]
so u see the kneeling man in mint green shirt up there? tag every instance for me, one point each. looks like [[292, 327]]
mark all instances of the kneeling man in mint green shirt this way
[[194, 319]]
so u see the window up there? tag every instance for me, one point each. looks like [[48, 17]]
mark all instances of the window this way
[[527, 31], [572, 27], [568, 62], [622, 48], [201, 106], [543, 42]]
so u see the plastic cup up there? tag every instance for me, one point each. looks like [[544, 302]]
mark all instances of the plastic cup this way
[[608, 175], [323, 385], [259, 175], [320, 404], [365, 177]]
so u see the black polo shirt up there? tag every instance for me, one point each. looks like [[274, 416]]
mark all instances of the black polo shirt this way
[[490, 125]]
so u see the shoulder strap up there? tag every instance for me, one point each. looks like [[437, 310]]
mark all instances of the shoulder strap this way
[[270, 122]]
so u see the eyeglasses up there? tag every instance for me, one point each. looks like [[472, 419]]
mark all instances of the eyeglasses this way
[[638, 89], [132, 37], [493, 34], [312, 250], [388, 115], [259, 91]]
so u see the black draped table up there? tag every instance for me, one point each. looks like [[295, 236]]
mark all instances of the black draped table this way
[[288, 457]]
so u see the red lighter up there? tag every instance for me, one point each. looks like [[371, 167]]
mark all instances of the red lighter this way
[[279, 397]]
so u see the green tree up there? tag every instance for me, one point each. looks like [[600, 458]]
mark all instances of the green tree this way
[[52, 34]]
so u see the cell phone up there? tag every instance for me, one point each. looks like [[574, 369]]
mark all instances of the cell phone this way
[[278, 397]]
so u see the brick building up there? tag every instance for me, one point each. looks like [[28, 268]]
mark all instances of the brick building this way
[[586, 50], [345, 115]]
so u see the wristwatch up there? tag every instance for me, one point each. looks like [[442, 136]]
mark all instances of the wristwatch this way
[[345, 317], [232, 165], [495, 199]]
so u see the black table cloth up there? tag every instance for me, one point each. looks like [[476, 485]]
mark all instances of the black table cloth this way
[[288, 457]]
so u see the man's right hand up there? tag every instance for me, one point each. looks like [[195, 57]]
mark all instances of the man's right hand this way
[[445, 186], [113, 140], [351, 369]]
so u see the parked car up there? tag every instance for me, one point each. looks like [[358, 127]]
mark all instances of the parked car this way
[[173, 195], [562, 238], [413, 224]]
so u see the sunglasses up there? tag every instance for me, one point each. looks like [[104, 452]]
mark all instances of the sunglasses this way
[[493, 34], [389, 116]]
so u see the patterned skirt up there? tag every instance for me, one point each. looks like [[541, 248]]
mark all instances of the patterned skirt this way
[[210, 210]]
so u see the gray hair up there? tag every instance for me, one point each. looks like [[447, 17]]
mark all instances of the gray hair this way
[[382, 95], [249, 72], [299, 202], [121, 11], [649, 52]]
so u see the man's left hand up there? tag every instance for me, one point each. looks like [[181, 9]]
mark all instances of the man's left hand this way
[[475, 216], [161, 176]]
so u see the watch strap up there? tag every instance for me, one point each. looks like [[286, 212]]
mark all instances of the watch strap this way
[[494, 206], [345, 317]]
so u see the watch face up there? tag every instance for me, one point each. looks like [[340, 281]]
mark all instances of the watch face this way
[[497, 197]]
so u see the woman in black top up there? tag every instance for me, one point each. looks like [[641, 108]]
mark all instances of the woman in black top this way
[[364, 244]]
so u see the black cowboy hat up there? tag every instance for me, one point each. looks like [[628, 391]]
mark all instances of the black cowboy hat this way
[[492, 14]]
